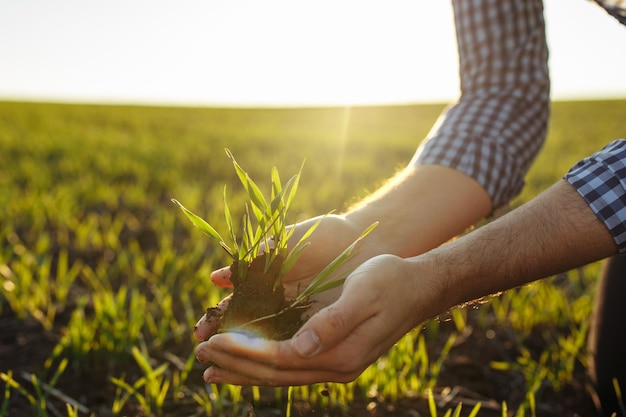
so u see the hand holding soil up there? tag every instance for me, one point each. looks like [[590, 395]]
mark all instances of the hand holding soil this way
[[381, 300], [333, 235], [264, 302]]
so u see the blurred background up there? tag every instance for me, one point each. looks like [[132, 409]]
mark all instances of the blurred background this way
[[274, 52], [102, 278]]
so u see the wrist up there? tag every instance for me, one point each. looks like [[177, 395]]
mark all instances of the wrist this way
[[420, 209], [430, 283]]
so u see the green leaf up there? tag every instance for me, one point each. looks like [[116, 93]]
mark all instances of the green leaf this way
[[431, 403], [292, 258], [294, 187], [259, 237], [229, 223], [247, 236], [206, 228], [298, 249], [317, 283], [332, 284], [276, 184], [475, 410], [457, 410], [57, 374], [255, 194], [243, 175], [278, 199], [500, 366], [280, 206]]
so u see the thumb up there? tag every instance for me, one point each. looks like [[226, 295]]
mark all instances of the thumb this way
[[326, 329]]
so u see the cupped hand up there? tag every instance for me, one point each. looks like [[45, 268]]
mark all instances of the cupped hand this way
[[333, 234], [381, 300]]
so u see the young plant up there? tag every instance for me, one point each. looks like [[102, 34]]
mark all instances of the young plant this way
[[39, 400], [261, 258], [154, 383]]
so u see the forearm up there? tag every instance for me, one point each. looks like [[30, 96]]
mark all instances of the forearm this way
[[498, 126], [422, 208], [554, 232]]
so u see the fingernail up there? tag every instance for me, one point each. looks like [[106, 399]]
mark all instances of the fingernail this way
[[210, 377], [306, 343]]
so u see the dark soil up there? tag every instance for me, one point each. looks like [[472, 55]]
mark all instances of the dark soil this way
[[466, 377], [258, 303]]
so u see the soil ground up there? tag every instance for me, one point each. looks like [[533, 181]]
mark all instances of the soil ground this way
[[466, 377]]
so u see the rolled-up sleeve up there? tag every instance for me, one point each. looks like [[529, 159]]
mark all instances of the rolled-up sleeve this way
[[499, 124], [601, 180]]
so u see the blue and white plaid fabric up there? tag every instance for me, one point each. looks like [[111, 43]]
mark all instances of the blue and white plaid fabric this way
[[499, 124], [616, 8], [601, 180]]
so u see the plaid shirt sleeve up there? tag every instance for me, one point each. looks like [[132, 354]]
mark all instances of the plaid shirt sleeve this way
[[616, 8], [601, 180], [499, 124]]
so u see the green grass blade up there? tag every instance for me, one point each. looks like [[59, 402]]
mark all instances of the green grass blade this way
[[289, 401], [59, 371], [142, 361], [206, 228], [280, 206], [618, 394], [229, 223], [294, 187], [243, 175], [475, 410], [317, 283], [11, 382], [332, 284], [276, 184], [4, 408], [293, 257], [278, 199], [296, 252], [255, 194], [432, 407]]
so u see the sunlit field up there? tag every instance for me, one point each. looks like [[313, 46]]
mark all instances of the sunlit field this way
[[102, 278]]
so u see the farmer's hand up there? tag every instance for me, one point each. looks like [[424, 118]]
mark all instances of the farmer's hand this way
[[333, 235], [417, 211], [381, 300]]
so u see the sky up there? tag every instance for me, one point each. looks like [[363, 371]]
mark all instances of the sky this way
[[275, 52]]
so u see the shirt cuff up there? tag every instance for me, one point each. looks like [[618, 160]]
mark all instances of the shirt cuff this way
[[601, 180]]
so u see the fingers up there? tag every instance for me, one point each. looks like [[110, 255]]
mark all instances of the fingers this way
[[326, 329], [245, 360], [207, 325], [221, 277], [336, 344], [275, 378], [329, 347], [334, 324]]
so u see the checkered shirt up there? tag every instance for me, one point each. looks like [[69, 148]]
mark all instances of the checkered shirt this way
[[601, 180], [497, 127], [616, 8]]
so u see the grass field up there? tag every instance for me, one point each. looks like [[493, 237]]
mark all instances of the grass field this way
[[103, 279]]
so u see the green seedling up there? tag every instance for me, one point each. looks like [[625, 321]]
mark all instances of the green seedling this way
[[154, 383], [72, 181], [39, 400], [261, 257]]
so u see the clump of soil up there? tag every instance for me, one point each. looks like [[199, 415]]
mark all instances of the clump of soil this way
[[258, 304]]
